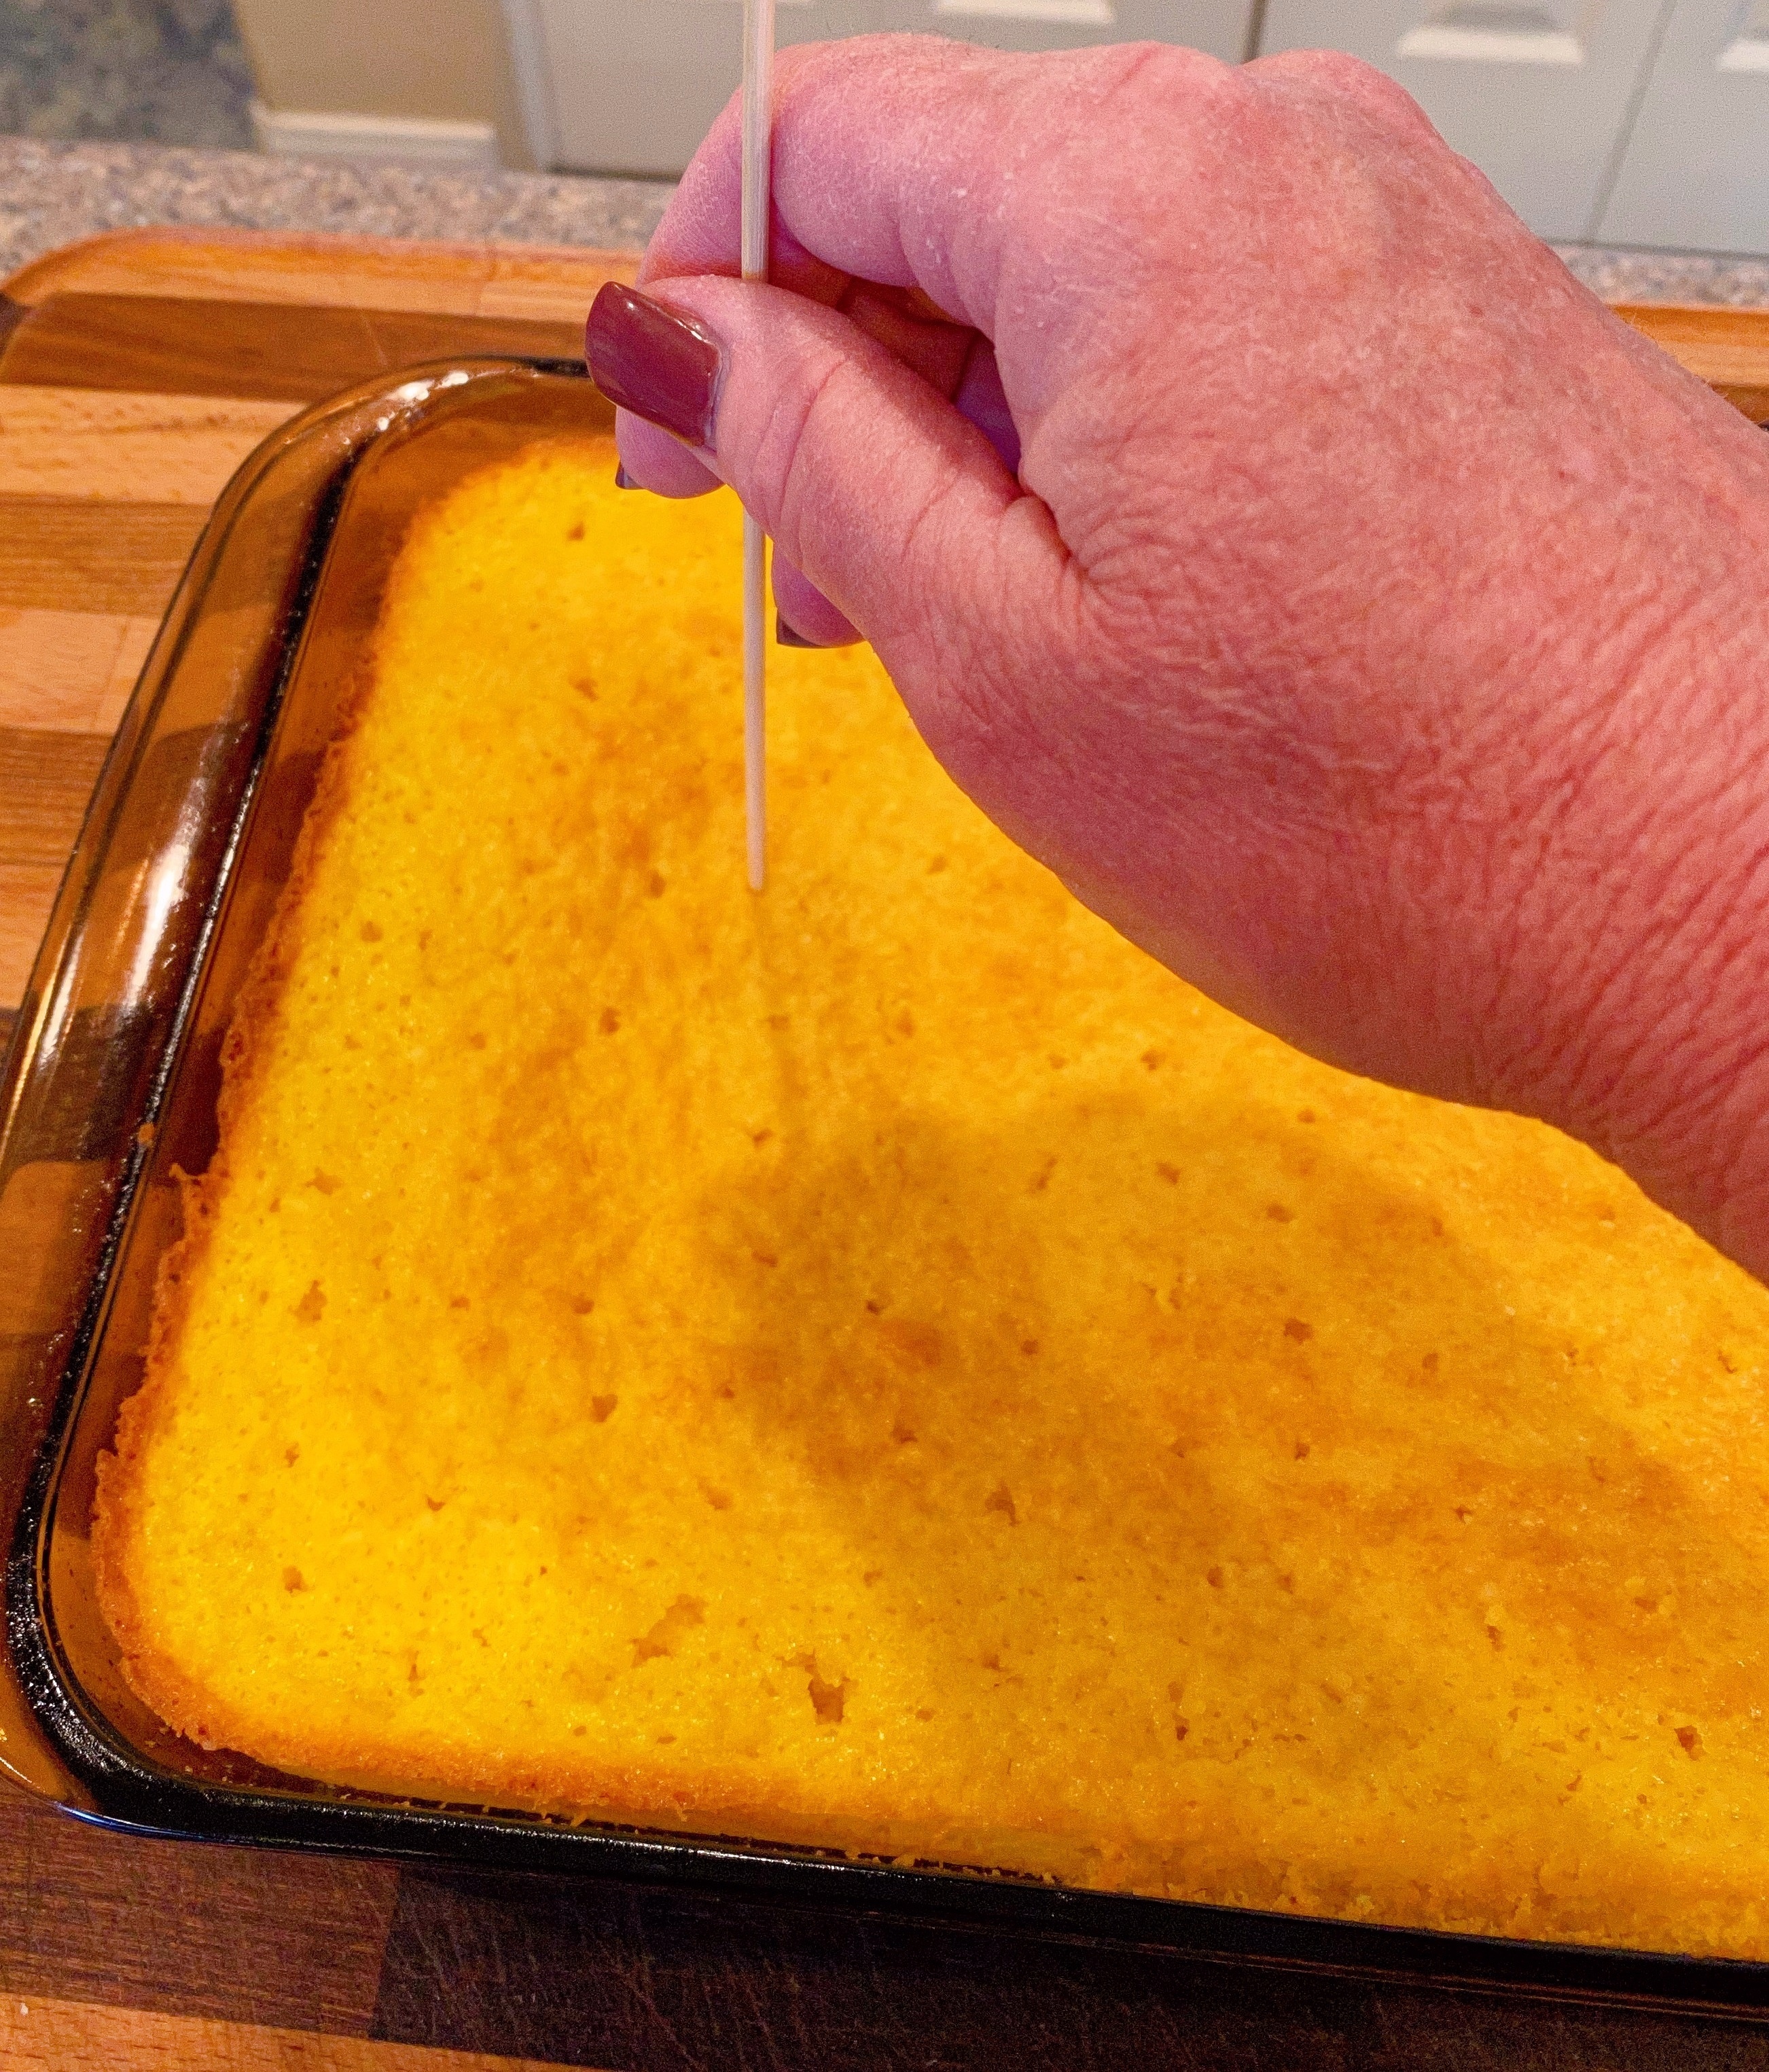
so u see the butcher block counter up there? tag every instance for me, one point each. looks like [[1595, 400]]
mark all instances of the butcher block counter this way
[[137, 371]]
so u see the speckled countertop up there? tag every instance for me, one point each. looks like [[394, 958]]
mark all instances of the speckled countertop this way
[[51, 194]]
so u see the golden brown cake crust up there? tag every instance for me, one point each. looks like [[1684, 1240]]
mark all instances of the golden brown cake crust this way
[[156, 1674], [884, 1366]]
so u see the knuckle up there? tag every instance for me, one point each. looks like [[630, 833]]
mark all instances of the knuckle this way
[[1338, 76]]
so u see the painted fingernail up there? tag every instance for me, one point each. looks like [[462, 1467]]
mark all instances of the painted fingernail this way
[[787, 636], [623, 480], [660, 365]]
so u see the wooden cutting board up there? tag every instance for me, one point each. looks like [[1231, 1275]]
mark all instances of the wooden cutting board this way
[[137, 370]]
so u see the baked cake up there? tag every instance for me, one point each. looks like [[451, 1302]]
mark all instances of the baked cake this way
[[885, 1365]]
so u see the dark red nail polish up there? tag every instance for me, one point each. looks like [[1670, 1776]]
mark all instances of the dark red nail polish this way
[[623, 480], [646, 359], [788, 636]]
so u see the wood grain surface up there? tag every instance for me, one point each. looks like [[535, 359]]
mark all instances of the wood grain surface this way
[[136, 372]]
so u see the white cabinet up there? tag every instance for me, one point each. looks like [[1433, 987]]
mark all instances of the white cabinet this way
[[1696, 171], [1537, 93], [1634, 121], [630, 86]]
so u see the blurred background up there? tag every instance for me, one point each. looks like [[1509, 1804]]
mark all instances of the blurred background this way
[[1632, 122]]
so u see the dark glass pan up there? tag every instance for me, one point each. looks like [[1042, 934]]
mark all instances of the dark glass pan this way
[[111, 1082]]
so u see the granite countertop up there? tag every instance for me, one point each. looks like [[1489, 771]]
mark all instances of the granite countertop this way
[[51, 194]]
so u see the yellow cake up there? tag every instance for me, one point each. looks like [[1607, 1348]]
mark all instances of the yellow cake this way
[[884, 1364]]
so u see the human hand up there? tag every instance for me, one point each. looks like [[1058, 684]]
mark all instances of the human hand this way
[[1375, 628]]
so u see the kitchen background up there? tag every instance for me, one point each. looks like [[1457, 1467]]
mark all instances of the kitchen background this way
[[1642, 123]]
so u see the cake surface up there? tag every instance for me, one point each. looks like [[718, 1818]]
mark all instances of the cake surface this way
[[885, 1365]]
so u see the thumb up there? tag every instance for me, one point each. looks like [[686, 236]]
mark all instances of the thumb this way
[[890, 502]]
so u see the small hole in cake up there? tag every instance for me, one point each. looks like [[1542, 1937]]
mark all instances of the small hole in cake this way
[[937, 865], [312, 1305], [582, 1304], [719, 1499], [291, 1454], [902, 1433], [871, 1577], [999, 1499], [922, 1712], [578, 1732], [1213, 1577], [656, 884], [324, 1182], [476, 1041], [601, 1408], [1028, 1346], [1305, 1115], [576, 532], [1154, 1060], [663, 1741], [292, 1580], [1430, 1362], [436, 1503], [759, 1137], [1170, 1173], [585, 687], [1295, 1328], [828, 1699], [1279, 1213], [686, 1612], [1301, 1450], [609, 1022], [459, 1302], [371, 931]]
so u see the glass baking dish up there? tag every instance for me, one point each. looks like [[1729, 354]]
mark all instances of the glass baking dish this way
[[111, 1082]]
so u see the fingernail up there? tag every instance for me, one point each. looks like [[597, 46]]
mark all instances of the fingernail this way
[[623, 480], [646, 359], [787, 636]]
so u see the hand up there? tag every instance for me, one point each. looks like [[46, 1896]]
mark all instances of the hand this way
[[1310, 571]]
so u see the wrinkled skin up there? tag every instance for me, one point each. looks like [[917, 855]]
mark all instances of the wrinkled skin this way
[[1376, 629]]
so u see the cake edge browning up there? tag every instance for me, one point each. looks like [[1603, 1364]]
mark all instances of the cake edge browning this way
[[170, 1691]]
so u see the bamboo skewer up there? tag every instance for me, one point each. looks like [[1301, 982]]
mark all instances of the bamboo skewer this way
[[758, 152]]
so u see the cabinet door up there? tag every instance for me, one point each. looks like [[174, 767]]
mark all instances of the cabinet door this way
[[631, 86], [1220, 27], [1536, 92], [1695, 172]]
